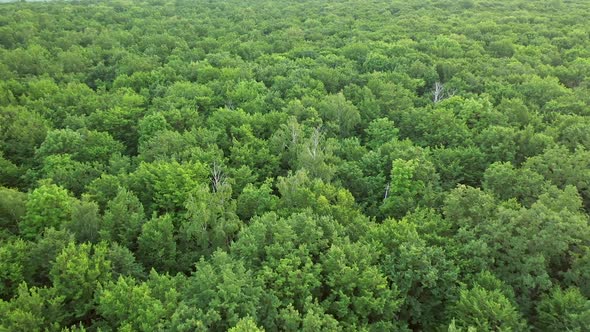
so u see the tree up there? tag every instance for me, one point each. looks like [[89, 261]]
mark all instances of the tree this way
[[210, 223], [314, 155], [571, 131], [579, 272], [123, 219], [357, 294], [83, 145], [12, 209], [438, 127], [223, 291], [256, 201], [507, 182], [76, 274], [564, 168], [123, 263], [381, 131], [60, 141], [10, 173], [43, 254], [497, 143], [502, 48], [126, 305], [365, 100], [186, 95], [70, 174], [413, 183], [439, 92], [156, 244], [121, 120], [104, 189], [32, 309], [253, 152], [486, 310], [165, 186], [548, 230], [294, 166], [47, 206], [340, 114], [246, 325], [16, 121], [249, 96], [423, 274], [13, 261], [460, 165], [563, 310], [85, 222], [539, 91], [149, 125]]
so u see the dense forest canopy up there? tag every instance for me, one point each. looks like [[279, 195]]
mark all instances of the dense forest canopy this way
[[293, 165]]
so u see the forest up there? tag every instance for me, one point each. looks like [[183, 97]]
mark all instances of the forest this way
[[295, 165]]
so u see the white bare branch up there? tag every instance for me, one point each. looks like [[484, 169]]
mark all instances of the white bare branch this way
[[438, 93], [218, 178], [314, 147]]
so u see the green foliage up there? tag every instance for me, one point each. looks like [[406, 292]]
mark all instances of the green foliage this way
[[32, 309], [381, 131], [12, 209], [70, 174], [165, 186], [506, 182], [43, 253], [13, 259], [339, 114], [223, 291], [150, 125], [121, 120], [126, 305], [564, 310], [359, 292], [579, 272], [123, 262], [10, 173], [461, 165], [85, 222], [294, 165], [541, 90], [47, 206], [486, 310], [256, 201], [423, 274], [246, 325], [564, 168], [413, 183], [210, 223], [123, 219], [156, 245], [20, 133], [77, 272], [82, 145]]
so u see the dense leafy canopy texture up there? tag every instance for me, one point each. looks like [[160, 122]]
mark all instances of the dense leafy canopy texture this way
[[261, 165]]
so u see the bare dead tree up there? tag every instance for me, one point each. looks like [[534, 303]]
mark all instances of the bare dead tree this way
[[229, 104], [314, 147], [439, 92], [294, 133], [387, 191], [449, 93], [218, 178]]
